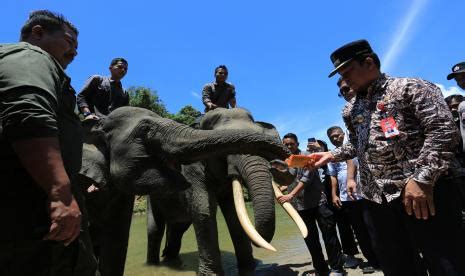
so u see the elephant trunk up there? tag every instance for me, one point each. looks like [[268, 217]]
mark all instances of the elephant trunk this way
[[255, 171], [184, 144]]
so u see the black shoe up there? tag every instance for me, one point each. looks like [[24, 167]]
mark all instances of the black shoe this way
[[368, 269], [351, 261]]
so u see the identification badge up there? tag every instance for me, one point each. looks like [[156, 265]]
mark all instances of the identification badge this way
[[389, 127]]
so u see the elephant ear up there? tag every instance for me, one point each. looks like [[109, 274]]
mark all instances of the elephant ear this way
[[268, 129], [94, 168]]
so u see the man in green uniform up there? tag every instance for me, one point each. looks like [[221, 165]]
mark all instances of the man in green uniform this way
[[40, 150]]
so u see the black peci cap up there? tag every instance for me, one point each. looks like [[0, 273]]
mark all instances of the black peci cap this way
[[459, 68], [347, 53]]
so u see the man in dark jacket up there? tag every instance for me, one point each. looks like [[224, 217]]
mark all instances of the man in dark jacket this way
[[101, 94]]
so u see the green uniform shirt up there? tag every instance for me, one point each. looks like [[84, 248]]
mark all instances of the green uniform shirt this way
[[36, 100]]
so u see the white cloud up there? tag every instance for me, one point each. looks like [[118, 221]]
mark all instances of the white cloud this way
[[403, 33], [447, 91], [196, 95]]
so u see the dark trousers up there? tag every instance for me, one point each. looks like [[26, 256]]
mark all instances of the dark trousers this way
[[38, 258], [398, 238], [354, 211], [349, 246], [22, 248], [325, 218]]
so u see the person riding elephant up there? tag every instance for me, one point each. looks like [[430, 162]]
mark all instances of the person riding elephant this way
[[133, 151], [210, 182]]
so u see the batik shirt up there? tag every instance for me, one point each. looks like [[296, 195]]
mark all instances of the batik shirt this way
[[424, 148]]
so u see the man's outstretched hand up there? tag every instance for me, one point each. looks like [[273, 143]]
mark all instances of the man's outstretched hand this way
[[321, 159]]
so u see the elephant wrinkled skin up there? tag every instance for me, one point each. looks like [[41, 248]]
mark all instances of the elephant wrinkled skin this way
[[134, 151], [210, 182]]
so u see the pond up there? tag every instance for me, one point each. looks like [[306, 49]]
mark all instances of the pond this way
[[287, 240]]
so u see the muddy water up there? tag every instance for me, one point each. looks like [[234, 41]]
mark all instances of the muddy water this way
[[287, 240]]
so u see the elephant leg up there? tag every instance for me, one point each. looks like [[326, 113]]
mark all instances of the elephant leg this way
[[95, 203], [155, 230], [242, 245], [174, 233], [204, 207], [115, 234]]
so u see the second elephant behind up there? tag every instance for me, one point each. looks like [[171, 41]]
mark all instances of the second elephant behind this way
[[211, 187]]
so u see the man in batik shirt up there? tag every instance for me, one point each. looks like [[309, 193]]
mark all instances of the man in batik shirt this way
[[404, 137]]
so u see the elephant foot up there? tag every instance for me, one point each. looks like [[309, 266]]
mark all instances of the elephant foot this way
[[246, 272], [210, 274], [153, 262], [173, 262], [209, 271]]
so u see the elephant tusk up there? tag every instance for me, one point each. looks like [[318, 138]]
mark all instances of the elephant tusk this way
[[244, 217], [291, 212]]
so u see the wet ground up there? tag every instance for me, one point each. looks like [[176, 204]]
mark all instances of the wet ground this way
[[292, 257]]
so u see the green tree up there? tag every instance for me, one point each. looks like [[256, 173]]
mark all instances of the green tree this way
[[147, 98], [186, 115]]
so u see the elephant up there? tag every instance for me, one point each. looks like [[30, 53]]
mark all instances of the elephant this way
[[133, 151], [215, 182]]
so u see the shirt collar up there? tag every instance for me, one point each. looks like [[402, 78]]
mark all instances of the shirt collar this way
[[223, 84], [377, 84], [114, 81]]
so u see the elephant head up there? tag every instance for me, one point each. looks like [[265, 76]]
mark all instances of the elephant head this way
[[140, 152], [252, 170]]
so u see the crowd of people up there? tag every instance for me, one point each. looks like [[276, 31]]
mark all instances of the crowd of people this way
[[395, 185]]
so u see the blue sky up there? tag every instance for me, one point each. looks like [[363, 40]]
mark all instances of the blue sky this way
[[277, 52]]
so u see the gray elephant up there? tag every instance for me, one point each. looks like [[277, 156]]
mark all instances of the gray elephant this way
[[173, 212], [211, 186], [134, 151]]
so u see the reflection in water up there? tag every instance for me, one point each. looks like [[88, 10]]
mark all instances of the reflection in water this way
[[287, 240]]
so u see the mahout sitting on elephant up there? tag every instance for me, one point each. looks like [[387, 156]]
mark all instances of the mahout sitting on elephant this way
[[134, 151], [216, 182]]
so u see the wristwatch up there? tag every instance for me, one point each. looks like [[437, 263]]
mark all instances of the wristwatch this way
[[87, 113]]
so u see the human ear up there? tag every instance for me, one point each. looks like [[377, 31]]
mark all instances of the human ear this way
[[37, 32], [370, 63]]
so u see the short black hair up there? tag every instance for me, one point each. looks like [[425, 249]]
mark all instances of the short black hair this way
[[361, 58], [323, 145], [456, 97], [333, 128], [292, 136], [222, 66], [50, 21], [118, 59]]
